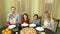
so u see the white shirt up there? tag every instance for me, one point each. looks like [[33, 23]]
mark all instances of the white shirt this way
[[13, 21], [16, 16], [50, 25]]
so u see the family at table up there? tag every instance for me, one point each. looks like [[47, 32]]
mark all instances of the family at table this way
[[13, 18]]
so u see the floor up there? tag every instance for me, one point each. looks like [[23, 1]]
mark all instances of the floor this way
[[58, 31]]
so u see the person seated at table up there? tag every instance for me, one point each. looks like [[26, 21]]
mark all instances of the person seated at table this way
[[25, 18], [49, 23], [45, 14], [16, 16], [36, 20], [12, 20]]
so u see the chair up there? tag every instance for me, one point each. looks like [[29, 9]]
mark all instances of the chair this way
[[40, 18], [57, 24]]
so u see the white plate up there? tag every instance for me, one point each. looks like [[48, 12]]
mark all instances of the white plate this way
[[24, 24], [11, 26], [32, 25], [39, 29]]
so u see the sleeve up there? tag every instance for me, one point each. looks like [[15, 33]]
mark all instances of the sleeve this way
[[31, 22], [18, 19], [52, 26], [38, 23], [8, 20], [8, 17]]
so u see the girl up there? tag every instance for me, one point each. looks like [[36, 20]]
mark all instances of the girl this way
[[25, 19]]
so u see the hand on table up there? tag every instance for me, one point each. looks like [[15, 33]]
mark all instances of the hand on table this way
[[44, 26], [13, 23]]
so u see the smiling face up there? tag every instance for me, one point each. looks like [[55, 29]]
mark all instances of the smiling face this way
[[25, 17], [35, 18], [13, 10], [48, 15]]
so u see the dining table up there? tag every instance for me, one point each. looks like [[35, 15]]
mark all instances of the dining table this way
[[16, 29], [46, 31]]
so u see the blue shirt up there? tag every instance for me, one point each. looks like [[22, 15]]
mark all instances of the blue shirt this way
[[37, 22], [16, 16]]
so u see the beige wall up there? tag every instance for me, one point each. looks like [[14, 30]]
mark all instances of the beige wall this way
[[36, 8], [58, 11], [2, 12], [32, 7], [8, 4], [5, 9]]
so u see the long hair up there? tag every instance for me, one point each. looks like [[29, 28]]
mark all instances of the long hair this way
[[26, 15]]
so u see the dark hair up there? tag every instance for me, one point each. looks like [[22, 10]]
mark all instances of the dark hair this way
[[26, 15], [13, 7], [36, 15], [11, 15]]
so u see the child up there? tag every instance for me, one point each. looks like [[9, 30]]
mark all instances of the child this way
[[36, 20], [12, 20], [25, 19]]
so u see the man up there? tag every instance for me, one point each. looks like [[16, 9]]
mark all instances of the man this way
[[16, 16]]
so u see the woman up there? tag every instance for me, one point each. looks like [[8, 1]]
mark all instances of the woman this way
[[49, 23], [45, 14], [36, 20], [25, 19]]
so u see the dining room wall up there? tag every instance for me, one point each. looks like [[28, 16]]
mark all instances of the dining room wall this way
[[5, 9], [36, 8], [8, 4], [32, 7], [2, 13], [58, 11]]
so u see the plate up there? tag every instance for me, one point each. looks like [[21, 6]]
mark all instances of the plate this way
[[32, 25], [39, 29], [24, 24], [11, 26]]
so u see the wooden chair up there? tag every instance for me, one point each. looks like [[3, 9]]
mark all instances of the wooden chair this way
[[57, 24], [40, 18]]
